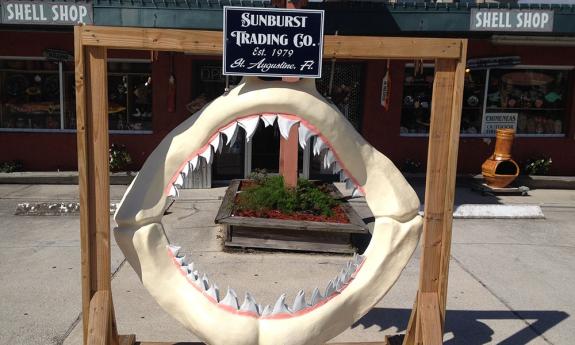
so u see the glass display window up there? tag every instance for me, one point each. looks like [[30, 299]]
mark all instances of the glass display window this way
[[37, 94], [30, 94], [531, 100]]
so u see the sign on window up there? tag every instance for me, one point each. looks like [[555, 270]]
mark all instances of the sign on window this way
[[493, 121], [273, 42]]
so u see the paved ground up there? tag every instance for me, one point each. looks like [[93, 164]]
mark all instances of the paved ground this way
[[511, 280]]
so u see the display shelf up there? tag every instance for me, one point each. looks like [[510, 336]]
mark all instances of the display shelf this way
[[526, 109]]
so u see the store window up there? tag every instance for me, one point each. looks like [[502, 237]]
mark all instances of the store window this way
[[529, 99], [30, 94], [37, 94]]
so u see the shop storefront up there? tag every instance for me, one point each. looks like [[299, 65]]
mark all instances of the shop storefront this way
[[527, 86]]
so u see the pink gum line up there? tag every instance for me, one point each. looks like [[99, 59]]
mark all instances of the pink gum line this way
[[254, 315], [311, 127]]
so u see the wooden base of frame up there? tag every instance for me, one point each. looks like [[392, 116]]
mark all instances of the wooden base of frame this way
[[90, 50]]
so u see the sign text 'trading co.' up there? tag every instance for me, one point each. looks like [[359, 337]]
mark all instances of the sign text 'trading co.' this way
[[46, 12]]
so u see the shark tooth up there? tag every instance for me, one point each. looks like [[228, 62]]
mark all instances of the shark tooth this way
[[269, 119], [330, 288], [280, 307], [349, 184], [174, 191], [359, 259], [318, 146], [328, 159], [336, 168], [249, 304], [299, 301], [194, 162], [285, 124], [179, 180], [174, 249], [207, 154], [214, 292], [266, 311], [356, 193], [231, 299], [205, 282], [216, 143], [249, 125], [230, 133], [193, 276], [304, 135], [316, 297], [181, 260]]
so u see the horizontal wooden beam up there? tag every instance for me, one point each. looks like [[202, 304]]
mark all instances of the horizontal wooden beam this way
[[203, 42]]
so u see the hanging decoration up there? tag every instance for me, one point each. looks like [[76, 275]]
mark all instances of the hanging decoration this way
[[386, 88], [172, 87]]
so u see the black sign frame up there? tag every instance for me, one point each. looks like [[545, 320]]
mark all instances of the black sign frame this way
[[234, 56]]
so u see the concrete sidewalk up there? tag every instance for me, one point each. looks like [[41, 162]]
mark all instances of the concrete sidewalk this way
[[510, 280]]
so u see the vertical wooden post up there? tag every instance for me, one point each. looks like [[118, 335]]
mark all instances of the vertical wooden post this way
[[427, 321], [455, 128], [288, 157], [93, 171], [289, 148]]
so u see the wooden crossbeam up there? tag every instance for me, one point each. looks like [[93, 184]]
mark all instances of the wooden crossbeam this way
[[204, 42]]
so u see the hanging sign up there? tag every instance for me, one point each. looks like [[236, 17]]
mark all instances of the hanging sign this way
[[493, 121], [495, 19], [46, 13], [273, 42]]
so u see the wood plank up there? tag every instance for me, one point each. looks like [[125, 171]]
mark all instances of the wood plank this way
[[203, 42], [300, 225], [290, 240], [430, 319], [368, 47], [451, 168], [409, 338], [97, 116], [288, 157], [83, 173], [227, 206], [99, 318], [436, 182]]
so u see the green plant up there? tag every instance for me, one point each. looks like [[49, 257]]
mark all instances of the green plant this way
[[269, 193], [11, 166], [119, 157], [538, 166]]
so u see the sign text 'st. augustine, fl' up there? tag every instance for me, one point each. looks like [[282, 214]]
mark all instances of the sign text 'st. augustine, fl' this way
[[273, 42]]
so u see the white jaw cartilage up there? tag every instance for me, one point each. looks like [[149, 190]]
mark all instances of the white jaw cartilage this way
[[188, 294]]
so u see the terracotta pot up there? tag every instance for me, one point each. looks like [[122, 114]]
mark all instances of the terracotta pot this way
[[499, 170]]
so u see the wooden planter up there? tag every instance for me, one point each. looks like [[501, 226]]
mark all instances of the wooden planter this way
[[298, 235]]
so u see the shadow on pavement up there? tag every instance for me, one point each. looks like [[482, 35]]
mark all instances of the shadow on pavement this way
[[466, 326]]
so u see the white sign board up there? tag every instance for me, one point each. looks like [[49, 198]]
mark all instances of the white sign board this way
[[493, 121]]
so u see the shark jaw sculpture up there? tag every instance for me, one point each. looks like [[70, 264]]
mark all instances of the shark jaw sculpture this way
[[188, 295]]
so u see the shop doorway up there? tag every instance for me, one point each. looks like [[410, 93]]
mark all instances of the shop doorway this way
[[262, 152]]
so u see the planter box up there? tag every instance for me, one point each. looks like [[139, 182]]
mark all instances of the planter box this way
[[298, 235]]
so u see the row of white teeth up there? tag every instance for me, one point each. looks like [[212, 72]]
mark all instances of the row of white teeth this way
[[249, 305], [228, 136]]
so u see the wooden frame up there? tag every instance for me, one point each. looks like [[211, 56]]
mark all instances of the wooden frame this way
[[90, 48]]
